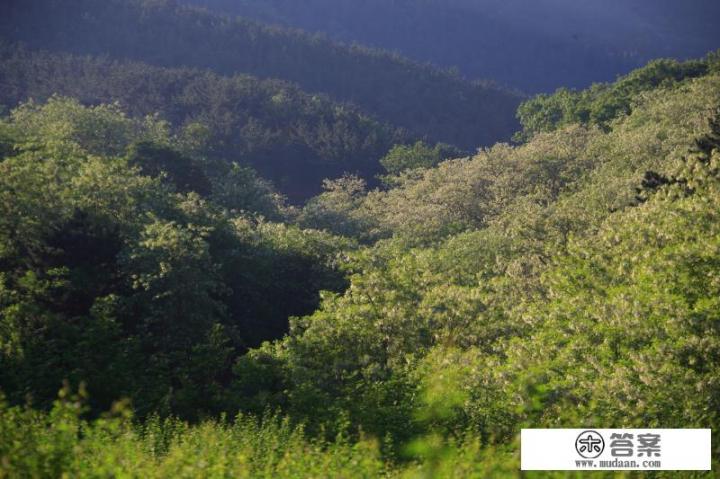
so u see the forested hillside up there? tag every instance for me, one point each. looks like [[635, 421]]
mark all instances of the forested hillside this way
[[536, 45], [290, 137], [569, 279], [422, 99]]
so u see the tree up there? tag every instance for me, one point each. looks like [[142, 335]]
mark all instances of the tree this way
[[418, 155]]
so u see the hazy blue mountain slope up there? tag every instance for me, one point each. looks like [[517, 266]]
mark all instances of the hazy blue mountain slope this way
[[426, 101], [292, 138], [534, 45]]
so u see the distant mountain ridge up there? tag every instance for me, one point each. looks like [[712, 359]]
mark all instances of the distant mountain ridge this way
[[426, 101], [290, 137], [536, 45]]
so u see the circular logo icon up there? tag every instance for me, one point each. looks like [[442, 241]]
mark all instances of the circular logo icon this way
[[589, 444]]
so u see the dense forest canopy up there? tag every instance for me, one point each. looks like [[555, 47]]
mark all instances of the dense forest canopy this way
[[505, 279], [426, 101], [292, 138], [536, 45], [234, 250], [602, 103], [123, 253]]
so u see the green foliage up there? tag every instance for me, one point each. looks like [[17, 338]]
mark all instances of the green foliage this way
[[602, 103], [573, 176], [63, 444], [63, 122], [179, 170], [562, 301], [337, 209], [569, 280], [115, 272], [419, 155], [293, 138], [242, 191]]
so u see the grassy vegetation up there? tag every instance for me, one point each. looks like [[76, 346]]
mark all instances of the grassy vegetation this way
[[569, 280]]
